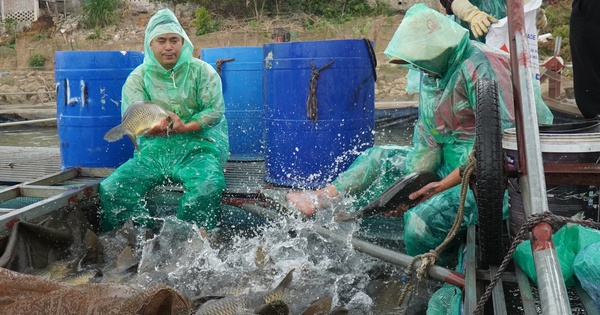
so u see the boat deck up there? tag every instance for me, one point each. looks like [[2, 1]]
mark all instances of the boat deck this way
[[24, 164]]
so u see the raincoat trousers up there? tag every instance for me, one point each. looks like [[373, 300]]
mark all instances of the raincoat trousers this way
[[444, 133], [192, 90]]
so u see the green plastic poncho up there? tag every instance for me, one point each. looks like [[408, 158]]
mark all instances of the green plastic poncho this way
[[445, 130], [192, 90]]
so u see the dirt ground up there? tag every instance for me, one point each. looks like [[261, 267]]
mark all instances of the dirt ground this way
[[21, 84]]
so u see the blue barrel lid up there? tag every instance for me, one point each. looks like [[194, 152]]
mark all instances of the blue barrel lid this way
[[108, 59]]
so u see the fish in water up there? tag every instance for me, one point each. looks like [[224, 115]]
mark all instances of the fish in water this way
[[231, 305], [139, 117], [83, 269], [396, 195], [322, 306]]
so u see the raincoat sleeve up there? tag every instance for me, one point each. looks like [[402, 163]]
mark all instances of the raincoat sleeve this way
[[133, 89], [210, 98], [427, 153]]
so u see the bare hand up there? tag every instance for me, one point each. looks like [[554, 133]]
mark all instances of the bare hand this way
[[425, 192], [168, 125], [398, 212]]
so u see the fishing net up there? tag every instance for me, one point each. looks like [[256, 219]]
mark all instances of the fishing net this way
[[32, 246], [27, 294]]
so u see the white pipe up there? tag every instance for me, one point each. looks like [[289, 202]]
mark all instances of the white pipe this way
[[26, 122]]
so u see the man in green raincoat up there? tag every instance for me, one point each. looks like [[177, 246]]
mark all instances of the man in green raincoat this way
[[444, 134], [192, 150]]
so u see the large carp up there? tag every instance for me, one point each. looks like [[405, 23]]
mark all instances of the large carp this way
[[139, 117]]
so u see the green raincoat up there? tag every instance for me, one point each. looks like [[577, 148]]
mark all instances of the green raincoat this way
[[445, 130], [192, 90]]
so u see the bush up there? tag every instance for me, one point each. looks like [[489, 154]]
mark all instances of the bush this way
[[36, 61], [100, 13], [203, 22]]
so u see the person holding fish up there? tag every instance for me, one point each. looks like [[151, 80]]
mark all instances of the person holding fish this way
[[444, 133], [173, 110]]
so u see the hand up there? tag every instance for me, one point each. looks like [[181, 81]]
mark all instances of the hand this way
[[424, 193], [161, 129], [480, 23], [398, 212]]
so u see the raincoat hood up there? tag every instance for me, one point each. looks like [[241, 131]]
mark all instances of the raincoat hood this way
[[163, 22], [428, 40]]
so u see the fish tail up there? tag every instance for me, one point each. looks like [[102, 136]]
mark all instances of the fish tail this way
[[279, 290], [345, 216], [320, 306], [135, 144], [114, 134]]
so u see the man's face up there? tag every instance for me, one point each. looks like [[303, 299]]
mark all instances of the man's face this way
[[166, 49]]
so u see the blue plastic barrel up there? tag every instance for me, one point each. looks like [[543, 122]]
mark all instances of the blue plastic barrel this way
[[88, 104], [310, 150], [241, 74]]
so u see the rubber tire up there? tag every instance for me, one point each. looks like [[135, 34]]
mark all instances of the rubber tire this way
[[490, 177]]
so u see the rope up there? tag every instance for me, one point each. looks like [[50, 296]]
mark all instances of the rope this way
[[311, 103], [219, 64], [429, 258], [522, 235]]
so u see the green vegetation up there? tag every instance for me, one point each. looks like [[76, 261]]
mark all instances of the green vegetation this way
[[36, 61], [336, 10], [558, 25], [97, 34], [203, 22], [11, 29], [100, 13], [39, 36]]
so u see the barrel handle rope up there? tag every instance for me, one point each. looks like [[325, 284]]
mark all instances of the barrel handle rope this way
[[311, 103], [372, 57], [219, 64]]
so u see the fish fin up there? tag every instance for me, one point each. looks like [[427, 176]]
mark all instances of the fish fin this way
[[276, 307], [319, 306], [276, 293], [200, 300], [135, 144], [345, 216], [96, 250], [340, 310], [125, 260], [286, 281], [114, 134]]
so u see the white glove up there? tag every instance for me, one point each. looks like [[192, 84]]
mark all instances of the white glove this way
[[479, 21]]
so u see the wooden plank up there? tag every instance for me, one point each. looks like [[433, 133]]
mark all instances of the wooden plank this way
[[470, 272], [525, 291], [22, 164], [498, 293], [396, 105], [586, 300], [562, 107]]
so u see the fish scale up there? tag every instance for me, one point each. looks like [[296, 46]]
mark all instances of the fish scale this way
[[139, 117], [232, 305]]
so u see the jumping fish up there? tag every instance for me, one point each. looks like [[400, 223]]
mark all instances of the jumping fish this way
[[139, 117], [394, 196], [231, 305]]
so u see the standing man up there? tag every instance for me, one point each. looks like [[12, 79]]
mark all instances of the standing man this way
[[190, 151], [585, 50]]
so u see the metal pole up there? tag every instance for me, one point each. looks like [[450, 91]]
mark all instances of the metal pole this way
[[387, 255], [27, 122], [553, 292]]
